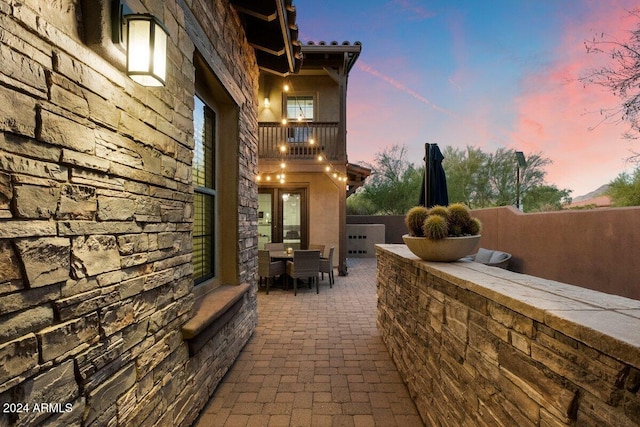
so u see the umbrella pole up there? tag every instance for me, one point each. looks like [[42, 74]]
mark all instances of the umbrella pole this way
[[427, 183]]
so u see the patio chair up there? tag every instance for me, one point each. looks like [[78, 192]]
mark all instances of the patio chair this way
[[320, 248], [292, 234], [305, 264], [274, 246], [267, 268], [492, 258], [326, 266]]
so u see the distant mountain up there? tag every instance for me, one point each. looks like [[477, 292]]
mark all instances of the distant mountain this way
[[596, 198], [595, 193]]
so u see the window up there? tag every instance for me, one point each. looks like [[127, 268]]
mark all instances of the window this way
[[204, 181], [216, 181], [299, 113], [300, 107]]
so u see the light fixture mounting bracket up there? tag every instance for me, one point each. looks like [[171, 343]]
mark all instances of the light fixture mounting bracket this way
[[119, 9]]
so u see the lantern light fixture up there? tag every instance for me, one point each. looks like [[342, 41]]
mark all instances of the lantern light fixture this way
[[144, 39]]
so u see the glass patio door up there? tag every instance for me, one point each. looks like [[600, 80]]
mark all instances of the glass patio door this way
[[290, 205], [282, 217], [266, 217]]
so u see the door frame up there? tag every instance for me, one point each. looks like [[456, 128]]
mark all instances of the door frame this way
[[277, 232]]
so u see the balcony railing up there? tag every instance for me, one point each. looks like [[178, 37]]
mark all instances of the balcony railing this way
[[293, 140]]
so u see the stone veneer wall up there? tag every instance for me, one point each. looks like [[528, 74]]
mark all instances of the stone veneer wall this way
[[483, 346], [96, 214]]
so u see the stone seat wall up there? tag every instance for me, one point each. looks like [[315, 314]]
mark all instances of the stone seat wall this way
[[479, 345]]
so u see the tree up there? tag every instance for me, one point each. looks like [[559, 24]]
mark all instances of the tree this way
[[481, 179], [358, 204], [466, 181], [544, 198], [394, 184], [625, 189], [475, 178], [621, 77]]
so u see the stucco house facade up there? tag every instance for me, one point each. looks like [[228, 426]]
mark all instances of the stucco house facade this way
[[304, 174], [128, 214]]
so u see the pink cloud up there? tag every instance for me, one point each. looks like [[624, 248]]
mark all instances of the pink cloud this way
[[462, 74], [560, 117], [416, 10]]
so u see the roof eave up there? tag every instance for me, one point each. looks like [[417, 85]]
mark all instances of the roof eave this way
[[270, 29]]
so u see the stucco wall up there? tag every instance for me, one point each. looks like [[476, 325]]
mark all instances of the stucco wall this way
[[596, 249], [394, 226], [323, 88], [363, 238], [96, 215], [479, 345], [324, 218]]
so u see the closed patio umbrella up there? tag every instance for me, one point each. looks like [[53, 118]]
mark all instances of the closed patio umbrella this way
[[434, 183]]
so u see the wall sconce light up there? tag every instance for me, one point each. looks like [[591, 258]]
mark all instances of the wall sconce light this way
[[267, 103], [145, 41]]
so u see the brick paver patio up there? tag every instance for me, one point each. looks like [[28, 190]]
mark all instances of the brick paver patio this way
[[315, 360]]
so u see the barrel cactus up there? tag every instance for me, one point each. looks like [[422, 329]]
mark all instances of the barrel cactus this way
[[443, 211], [435, 227], [415, 219], [439, 222], [475, 226]]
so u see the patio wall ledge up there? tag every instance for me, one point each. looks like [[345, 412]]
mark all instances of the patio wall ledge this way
[[478, 345], [211, 313]]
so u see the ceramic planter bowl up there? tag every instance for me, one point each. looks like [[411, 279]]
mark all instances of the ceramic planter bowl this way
[[444, 250]]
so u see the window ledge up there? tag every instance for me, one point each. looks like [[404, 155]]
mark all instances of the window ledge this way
[[211, 312]]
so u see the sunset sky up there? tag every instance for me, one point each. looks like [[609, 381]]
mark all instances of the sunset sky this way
[[490, 74]]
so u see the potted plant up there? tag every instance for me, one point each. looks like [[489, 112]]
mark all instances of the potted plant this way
[[441, 233]]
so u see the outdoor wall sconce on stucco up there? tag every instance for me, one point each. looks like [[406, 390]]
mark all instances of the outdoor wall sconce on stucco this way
[[145, 41]]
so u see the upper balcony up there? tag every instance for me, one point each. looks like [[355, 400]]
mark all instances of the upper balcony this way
[[300, 140]]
